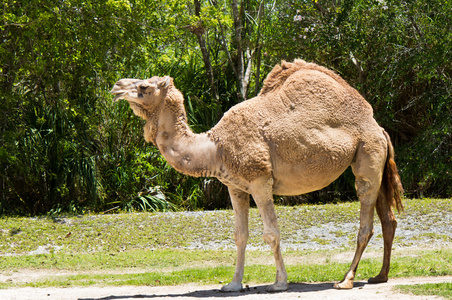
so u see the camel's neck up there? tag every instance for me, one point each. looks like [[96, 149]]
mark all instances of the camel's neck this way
[[189, 153]]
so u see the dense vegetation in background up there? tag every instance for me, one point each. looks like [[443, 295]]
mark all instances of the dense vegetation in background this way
[[64, 146]]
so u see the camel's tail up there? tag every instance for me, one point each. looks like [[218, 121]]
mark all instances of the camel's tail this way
[[391, 182]]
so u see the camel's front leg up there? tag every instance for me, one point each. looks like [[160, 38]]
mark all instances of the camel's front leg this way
[[240, 202], [262, 191]]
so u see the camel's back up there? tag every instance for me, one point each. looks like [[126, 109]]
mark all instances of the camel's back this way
[[280, 73], [301, 85], [300, 96]]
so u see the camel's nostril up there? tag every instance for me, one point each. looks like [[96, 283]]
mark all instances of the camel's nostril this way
[[142, 90], [143, 86]]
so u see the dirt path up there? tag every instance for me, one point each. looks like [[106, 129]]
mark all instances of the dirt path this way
[[297, 291]]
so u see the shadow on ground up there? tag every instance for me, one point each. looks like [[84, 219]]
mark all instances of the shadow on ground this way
[[212, 293]]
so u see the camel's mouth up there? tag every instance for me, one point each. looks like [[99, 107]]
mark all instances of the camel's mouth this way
[[119, 96], [127, 95], [126, 89]]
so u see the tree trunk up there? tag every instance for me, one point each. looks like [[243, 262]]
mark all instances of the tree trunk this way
[[242, 59], [198, 30], [258, 51], [239, 63]]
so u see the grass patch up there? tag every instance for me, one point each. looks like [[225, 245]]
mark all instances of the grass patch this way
[[176, 248], [127, 232], [171, 267], [432, 235], [106, 233], [430, 289], [191, 275], [159, 260], [321, 241]]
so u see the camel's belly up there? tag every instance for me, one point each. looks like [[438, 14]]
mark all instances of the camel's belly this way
[[311, 162], [297, 183], [311, 174]]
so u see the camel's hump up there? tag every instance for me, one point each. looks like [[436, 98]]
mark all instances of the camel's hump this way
[[281, 73]]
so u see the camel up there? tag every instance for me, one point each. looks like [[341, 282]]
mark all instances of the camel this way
[[300, 133]]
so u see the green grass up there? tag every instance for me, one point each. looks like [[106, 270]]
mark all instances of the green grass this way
[[142, 259], [126, 232], [431, 289], [173, 267], [161, 248]]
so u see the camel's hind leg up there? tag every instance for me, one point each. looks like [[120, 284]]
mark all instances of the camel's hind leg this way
[[368, 169], [240, 202], [388, 224]]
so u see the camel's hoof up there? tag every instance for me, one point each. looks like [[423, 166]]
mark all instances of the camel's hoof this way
[[378, 279], [232, 287], [278, 287], [344, 285]]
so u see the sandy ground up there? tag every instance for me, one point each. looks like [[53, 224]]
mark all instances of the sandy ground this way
[[361, 291]]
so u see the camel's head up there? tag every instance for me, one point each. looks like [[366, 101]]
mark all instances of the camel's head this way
[[144, 96], [145, 93]]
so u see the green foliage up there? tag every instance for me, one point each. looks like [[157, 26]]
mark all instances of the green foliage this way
[[65, 147]]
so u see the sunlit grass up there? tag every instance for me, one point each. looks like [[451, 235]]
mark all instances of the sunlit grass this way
[[126, 232], [436, 289], [174, 267], [168, 248]]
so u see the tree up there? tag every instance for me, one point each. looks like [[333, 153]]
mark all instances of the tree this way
[[57, 60], [65, 146], [237, 27]]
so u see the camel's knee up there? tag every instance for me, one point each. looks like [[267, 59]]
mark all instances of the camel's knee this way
[[272, 237], [394, 223], [363, 186], [365, 235], [388, 220]]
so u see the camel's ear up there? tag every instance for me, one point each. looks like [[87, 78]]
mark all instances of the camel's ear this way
[[164, 82]]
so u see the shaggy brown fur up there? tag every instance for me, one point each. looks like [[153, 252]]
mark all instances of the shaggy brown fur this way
[[391, 180], [302, 131]]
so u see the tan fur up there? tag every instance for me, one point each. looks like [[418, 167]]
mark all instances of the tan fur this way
[[298, 135], [279, 75]]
